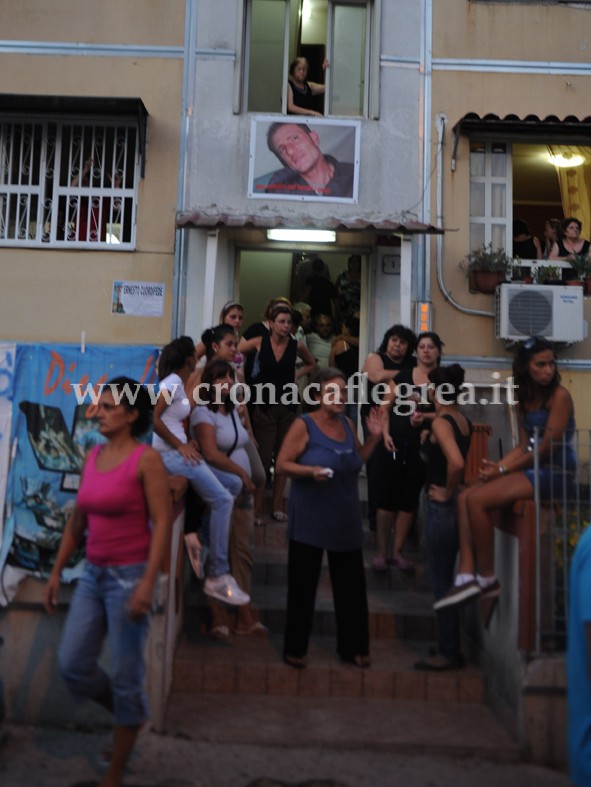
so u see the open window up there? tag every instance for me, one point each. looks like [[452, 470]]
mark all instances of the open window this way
[[343, 31], [528, 169], [69, 178]]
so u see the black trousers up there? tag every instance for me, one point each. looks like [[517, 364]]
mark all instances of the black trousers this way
[[347, 577]]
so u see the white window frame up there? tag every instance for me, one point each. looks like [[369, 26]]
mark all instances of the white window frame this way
[[372, 57], [43, 195], [487, 220]]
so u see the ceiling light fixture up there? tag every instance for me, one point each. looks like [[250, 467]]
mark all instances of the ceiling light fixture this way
[[566, 159], [303, 236]]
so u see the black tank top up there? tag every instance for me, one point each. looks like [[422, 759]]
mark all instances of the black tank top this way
[[279, 373], [526, 249], [301, 98], [435, 458]]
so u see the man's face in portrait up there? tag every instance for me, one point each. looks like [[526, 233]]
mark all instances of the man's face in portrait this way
[[298, 149]]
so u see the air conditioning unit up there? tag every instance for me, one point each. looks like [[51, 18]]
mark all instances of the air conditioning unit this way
[[555, 313]]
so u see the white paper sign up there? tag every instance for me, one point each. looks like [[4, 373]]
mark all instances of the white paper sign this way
[[138, 298]]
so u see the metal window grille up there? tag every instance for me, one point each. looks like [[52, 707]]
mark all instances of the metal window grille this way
[[68, 183]]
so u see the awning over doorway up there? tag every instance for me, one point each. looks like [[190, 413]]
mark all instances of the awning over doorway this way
[[202, 219]]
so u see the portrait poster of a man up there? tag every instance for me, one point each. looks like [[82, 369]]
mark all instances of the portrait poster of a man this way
[[304, 159]]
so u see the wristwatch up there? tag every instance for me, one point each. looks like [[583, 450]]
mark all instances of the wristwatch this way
[[502, 470]]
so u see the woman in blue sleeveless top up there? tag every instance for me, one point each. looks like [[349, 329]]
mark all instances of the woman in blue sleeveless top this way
[[323, 456], [542, 402]]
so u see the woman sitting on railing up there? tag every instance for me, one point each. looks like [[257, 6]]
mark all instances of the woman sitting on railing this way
[[543, 404]]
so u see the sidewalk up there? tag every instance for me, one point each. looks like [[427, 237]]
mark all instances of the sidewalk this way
[[48, 757]]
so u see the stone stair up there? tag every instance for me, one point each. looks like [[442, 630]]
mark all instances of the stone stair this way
[[257, 685]]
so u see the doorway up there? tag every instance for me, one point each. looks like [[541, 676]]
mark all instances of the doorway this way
[[265, 274]]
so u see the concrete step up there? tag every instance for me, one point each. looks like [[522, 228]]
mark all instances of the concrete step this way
[[274, 534], [270, 569], [392, 615], [253, 666], [344, 725]]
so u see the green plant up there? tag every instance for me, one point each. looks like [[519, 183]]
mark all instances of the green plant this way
[[485, 258], [545, 273], [581, 264], [516, 270]]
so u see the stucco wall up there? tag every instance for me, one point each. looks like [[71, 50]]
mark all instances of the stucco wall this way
[[467, 32], [53, 295], [220, 140]]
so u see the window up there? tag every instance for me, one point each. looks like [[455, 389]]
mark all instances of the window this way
[[490, 194], [529, 180], [68, 182], [277, 31]]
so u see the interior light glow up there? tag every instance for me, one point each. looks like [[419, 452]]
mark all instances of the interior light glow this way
[[566, 159], [303, 236]]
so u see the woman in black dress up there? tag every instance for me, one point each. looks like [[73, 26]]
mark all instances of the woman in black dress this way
[[275, 393]]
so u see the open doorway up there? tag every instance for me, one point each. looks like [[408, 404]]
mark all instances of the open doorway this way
[[266, 274], [263, 275]]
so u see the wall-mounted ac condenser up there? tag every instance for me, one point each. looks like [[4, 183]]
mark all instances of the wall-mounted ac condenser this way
[[555, 312]]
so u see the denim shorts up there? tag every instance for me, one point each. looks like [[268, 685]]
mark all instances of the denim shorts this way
[[98, 611]]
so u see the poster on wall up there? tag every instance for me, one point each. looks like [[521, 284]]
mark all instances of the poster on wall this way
[[7, 360], [54, 393], [138, 298], [306, 159]]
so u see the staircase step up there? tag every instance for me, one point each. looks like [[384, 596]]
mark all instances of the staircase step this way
[[270, 568], [344, 724], [274, 534], [253, 665], [392, 615]]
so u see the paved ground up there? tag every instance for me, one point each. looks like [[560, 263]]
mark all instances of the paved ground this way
[[48, 757]]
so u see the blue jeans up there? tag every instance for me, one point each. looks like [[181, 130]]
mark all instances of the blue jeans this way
[[441, 534], [99, 610], [218, 490]]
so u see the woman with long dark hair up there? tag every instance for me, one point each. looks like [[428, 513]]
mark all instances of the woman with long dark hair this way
[[543, 404], [224, 443], [124, 506], [275, 410], [181, 457], [400, 469], [444, 450], [394, 353]]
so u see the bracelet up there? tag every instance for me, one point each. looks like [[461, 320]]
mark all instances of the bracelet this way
[[502, 470]]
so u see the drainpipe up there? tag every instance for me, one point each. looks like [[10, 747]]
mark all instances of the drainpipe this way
[[187, 100], [441, 121], [423, 291]]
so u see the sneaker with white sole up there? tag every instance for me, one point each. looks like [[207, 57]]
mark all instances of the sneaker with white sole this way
[[459, 594], [225, 588], [193, 547], [491, 591]]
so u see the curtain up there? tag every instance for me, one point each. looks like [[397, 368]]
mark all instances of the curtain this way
[[575, 184]]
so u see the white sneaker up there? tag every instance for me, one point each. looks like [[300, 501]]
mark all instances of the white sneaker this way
[[224, 588], [193, 547]]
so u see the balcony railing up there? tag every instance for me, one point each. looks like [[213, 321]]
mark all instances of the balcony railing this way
[[560, 519]]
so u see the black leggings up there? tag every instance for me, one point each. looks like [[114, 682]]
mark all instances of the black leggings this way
[[347, 576]]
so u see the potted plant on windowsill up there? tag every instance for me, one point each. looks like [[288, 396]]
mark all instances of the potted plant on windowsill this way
[[581, 265], [548, 274], [520, 273], [486, 268]]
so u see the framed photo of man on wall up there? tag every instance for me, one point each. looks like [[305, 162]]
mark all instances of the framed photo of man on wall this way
[[308, 159]]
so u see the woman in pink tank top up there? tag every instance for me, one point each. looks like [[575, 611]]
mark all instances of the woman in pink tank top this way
[[124, 506]]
